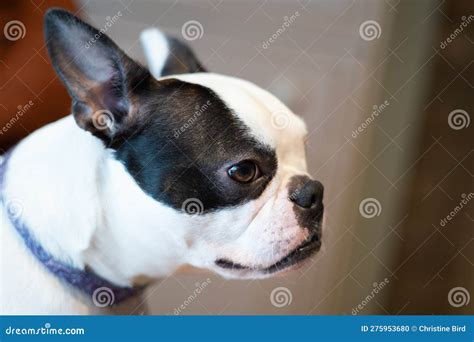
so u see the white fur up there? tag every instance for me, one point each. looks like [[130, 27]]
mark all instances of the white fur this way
[[155, 46], [85, 209]]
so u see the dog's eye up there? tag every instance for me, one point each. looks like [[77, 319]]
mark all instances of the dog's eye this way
[[244, 172]]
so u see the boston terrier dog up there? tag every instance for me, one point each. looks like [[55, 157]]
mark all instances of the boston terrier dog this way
[[152, 170]]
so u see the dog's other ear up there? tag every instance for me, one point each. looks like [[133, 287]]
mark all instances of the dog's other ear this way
[[167, 55], [99, 76]]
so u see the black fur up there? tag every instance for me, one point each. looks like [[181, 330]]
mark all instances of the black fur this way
[[99, 76], [176, 139], [173, 167]]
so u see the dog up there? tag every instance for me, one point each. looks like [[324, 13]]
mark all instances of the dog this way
[[150, 172]]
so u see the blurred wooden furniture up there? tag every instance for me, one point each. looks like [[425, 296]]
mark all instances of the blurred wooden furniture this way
[[30, 93]]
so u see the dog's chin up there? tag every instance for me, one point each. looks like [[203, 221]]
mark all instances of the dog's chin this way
[[294, 260]]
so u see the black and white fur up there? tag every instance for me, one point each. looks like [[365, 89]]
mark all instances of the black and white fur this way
[[110, 197]]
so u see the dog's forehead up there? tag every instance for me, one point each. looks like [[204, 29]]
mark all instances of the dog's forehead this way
[[267, 118]]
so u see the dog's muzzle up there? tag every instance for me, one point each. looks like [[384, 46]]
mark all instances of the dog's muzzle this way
[[307, 196]]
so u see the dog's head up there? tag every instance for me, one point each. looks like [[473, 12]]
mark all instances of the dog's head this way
[[223, 156]]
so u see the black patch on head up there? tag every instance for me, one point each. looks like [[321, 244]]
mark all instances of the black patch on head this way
[[176, 139], [184, 144]]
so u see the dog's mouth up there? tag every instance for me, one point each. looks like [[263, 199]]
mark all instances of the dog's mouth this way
[[300, 253]]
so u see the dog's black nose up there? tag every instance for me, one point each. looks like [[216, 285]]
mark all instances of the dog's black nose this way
[[306, 192]]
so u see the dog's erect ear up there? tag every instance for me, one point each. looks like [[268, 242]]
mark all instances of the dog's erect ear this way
[[167, 55], [99, 76]]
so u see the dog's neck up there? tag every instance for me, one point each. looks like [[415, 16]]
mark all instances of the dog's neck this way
[[79, 203]]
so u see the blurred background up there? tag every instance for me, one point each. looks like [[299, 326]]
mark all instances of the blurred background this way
[[387, 91]]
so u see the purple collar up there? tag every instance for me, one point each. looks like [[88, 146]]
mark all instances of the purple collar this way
[[102, 292]]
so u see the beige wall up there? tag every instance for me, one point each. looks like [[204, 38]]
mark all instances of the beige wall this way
[[322, 68]]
